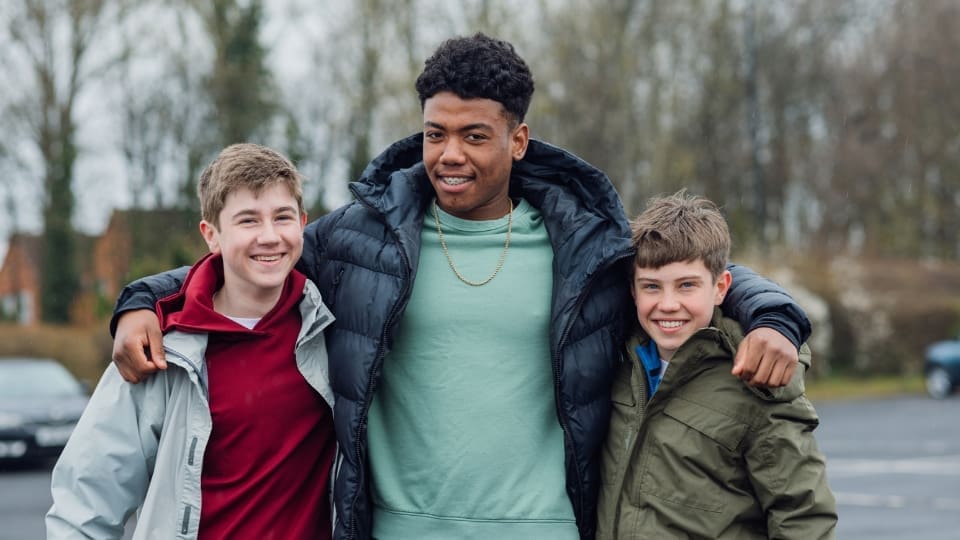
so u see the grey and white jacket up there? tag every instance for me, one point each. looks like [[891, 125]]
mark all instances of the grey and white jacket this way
[[140, 446]]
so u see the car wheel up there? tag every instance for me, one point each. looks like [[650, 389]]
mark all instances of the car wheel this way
[[939, 384]]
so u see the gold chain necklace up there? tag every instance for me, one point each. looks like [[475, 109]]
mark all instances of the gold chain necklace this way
[[446, 253]]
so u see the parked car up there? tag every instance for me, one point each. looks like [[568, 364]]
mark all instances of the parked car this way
[[40, 403], [942, 368]]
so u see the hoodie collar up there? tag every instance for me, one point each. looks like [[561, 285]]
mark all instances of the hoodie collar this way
[[191, 309]]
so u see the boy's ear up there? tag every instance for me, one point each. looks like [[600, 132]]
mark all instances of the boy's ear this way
[[303, 219], [519, 140], [723, 285], [210, 236]]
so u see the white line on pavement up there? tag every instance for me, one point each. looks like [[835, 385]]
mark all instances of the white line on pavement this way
[[869, 500], [935, 466]]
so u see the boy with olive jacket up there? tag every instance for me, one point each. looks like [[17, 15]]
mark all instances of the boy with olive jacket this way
[[691, 451]]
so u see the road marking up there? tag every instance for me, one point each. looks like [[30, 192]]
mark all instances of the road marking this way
[[946, 504], [911, 446], [933, 466], [870, 500]]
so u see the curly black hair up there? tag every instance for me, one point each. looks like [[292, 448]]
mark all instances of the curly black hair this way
[[478, 66]]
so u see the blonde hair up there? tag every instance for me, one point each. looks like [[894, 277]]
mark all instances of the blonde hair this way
[[245, 165], [681, 228]]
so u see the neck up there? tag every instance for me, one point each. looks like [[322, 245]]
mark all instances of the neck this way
[[232, 303], [508, 208]]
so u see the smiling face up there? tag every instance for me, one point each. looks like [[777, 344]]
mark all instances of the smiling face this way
[[676, 300], [469, 146], [260, 237]]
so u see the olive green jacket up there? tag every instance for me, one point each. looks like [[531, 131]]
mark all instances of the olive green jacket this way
[[709, 456]]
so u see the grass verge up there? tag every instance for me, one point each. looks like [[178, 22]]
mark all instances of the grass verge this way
[[834, 388]]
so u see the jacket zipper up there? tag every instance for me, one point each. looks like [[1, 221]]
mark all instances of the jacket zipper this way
[[374, 374], [564, 422], [185, 523]]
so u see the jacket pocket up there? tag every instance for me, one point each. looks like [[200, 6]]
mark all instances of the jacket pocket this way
[[692, 458], [624, 423], [715, 425]]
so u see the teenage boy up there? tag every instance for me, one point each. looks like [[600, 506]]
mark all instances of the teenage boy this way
[[693, 452], [235, 439], [479, 282]]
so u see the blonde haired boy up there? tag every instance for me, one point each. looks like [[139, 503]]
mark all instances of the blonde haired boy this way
[[237, 440]]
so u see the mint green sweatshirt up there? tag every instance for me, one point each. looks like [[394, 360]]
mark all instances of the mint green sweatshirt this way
[[463, 434]]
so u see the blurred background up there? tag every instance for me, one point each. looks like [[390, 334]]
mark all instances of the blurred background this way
[[828, 130]]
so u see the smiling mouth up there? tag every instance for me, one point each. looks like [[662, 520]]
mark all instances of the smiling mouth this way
[[266, 258], [453, 180], [670, 325]]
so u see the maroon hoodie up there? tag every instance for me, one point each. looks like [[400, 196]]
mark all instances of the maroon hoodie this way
[[266, 466]]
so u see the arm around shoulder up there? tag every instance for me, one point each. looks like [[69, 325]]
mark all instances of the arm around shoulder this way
[[144, 293], [755, 301]]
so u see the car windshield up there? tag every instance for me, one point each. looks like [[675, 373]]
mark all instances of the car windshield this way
[[36, 379]]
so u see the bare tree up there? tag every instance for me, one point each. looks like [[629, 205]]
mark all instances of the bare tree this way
[[900, 116], [166, 112], [591, 75], [50, 49]]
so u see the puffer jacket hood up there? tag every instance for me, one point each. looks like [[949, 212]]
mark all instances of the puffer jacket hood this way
[[398, 172]]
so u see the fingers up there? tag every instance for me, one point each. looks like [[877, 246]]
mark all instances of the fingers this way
[[746, 361], [779, 359], [155, 342], [789, 368], [126, 355], [766, 358], [765, 369], [137, 343]]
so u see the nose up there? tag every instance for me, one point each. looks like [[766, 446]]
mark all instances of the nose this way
[[668, 302], [268, 234], [452, 152]]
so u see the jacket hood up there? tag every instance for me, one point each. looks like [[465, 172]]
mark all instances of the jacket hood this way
[[554, 167], [578, 200], [395, 176], [402, 163]]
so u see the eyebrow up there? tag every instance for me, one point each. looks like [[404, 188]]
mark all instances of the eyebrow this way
[[680, 278], [251, 212], [468, 127]]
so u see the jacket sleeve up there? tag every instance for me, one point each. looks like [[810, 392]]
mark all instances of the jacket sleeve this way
[[788, 474], [755, 302], [101, 477], [144, 293]]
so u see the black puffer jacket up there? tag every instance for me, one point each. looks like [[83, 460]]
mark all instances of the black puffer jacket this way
[[363, 258]]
